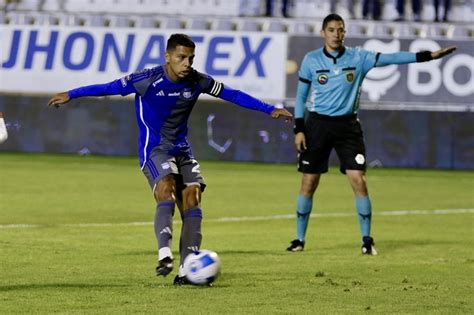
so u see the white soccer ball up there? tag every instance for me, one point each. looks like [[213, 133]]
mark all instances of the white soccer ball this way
[[202, 267]]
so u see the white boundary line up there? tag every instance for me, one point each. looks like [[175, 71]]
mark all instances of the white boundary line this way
[[252, 218]]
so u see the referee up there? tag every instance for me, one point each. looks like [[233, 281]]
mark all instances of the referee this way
[[330, 79]]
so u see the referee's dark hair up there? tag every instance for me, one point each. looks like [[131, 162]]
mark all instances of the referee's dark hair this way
[[332, 17], [179, 40]]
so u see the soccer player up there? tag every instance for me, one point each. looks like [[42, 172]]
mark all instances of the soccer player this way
[[164, 98], [332, 77]]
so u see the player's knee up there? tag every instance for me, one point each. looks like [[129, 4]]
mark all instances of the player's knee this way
[[165, 190]]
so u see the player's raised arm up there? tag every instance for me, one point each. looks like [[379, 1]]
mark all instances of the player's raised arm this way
[[247, 101], [277, 112], [117, 87]]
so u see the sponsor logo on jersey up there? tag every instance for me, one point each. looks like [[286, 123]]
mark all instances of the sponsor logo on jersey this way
[[165, 165], [350, 77], [160, 93], [322, 79], [173, 94], [305, 162]]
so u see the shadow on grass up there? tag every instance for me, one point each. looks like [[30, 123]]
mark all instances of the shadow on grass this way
[[253, 252], [395, 244], [231, 252], [60, 286]]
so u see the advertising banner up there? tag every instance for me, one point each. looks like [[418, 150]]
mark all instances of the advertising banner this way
[[444, 84], [48, 59]]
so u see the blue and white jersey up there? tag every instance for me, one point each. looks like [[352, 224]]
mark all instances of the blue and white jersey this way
[[163, 106], [330, 83]]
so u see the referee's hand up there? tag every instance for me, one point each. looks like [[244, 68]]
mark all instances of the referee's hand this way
[[442, 52], [300, 142]]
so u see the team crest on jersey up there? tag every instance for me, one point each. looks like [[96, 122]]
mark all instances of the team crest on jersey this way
[[350, 77], [322, 79], [187, 93]]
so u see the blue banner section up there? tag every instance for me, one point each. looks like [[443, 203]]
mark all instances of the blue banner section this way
[[222, 131]]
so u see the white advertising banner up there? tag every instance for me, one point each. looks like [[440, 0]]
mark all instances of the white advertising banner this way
[[49, 59]]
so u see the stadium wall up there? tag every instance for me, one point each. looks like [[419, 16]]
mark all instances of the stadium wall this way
[[222, 131], [417, 115]]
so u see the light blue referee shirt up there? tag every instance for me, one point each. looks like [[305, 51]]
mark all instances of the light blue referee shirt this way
[[333, 80]]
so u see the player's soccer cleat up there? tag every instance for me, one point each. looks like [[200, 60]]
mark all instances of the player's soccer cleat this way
[[184, 281], [368, 246], [296, 246], [165, 266], [181, 280]]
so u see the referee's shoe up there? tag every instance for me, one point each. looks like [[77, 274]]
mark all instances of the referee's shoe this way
[[296, 246], [368, 246]]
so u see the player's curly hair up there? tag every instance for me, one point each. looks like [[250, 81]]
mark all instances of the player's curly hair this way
[[179, 40], [332, 17]]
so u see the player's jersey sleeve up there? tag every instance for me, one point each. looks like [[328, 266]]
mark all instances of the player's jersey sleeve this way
[[209, 85], [139, 81], [123, 86], [218, 89]]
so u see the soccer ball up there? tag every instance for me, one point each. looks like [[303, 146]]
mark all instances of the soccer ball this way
[[202, 267]]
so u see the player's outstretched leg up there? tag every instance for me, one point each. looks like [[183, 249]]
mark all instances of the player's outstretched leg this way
[[181, 280], [190, 235], [164, 234]]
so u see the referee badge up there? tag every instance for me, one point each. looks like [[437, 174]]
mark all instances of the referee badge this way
[[322, 79], [350, 77]]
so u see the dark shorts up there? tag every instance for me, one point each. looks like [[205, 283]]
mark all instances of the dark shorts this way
[[323, 133], [184, 167]]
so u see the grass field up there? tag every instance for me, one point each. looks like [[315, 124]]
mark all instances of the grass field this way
[[76, 238]]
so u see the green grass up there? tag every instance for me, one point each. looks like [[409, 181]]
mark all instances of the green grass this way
[[425, 264]]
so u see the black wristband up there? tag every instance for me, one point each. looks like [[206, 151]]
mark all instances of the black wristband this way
[[299, 125], [423, 56]]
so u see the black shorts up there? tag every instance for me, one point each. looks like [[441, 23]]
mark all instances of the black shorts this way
[[184, 167], [323, 133]]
